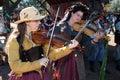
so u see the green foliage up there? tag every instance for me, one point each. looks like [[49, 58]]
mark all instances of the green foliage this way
[[114, 6], [35, 3]]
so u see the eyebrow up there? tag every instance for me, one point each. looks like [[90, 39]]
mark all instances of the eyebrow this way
[[79, 15]]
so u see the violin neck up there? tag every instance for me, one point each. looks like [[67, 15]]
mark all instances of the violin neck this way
[[60, 38]]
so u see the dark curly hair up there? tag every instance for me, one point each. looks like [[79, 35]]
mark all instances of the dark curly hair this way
[[75, 8]]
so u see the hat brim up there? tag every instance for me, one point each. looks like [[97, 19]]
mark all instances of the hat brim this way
[[20, 21]]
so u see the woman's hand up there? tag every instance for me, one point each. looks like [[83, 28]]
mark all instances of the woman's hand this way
[[99, 35], [73, 44]]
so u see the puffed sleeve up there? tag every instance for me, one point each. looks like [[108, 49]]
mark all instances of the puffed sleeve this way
[[15, 62], [58, 53]]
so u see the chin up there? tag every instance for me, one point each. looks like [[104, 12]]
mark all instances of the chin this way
[[35, 30]]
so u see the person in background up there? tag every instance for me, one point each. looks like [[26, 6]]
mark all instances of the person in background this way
[[3, 34], [2, 54], [117, 41], [97, 52], [48, 22], [26, 57]]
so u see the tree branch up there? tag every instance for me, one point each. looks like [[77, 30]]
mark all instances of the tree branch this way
[[41, 4], [11, 1]]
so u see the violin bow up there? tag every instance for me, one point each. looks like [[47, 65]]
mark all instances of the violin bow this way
[[51, 36]]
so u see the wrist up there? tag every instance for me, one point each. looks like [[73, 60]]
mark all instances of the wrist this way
[[94, 41]]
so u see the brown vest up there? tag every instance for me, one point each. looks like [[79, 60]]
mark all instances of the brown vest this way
[[32, 54]]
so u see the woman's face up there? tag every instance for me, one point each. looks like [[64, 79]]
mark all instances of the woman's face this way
[[33, 25], [77, 16]]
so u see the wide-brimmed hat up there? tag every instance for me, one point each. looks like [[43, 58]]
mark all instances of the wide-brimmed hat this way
[[28, 14]]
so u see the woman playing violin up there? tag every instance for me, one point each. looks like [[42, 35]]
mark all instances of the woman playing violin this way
[[67, 67], [71, 67], [26, 57]]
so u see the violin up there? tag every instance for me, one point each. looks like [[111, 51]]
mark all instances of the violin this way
[[41, 37], [63, 42], [79, 25]]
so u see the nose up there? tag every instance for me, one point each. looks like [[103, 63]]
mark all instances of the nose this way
[[80, 18]]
